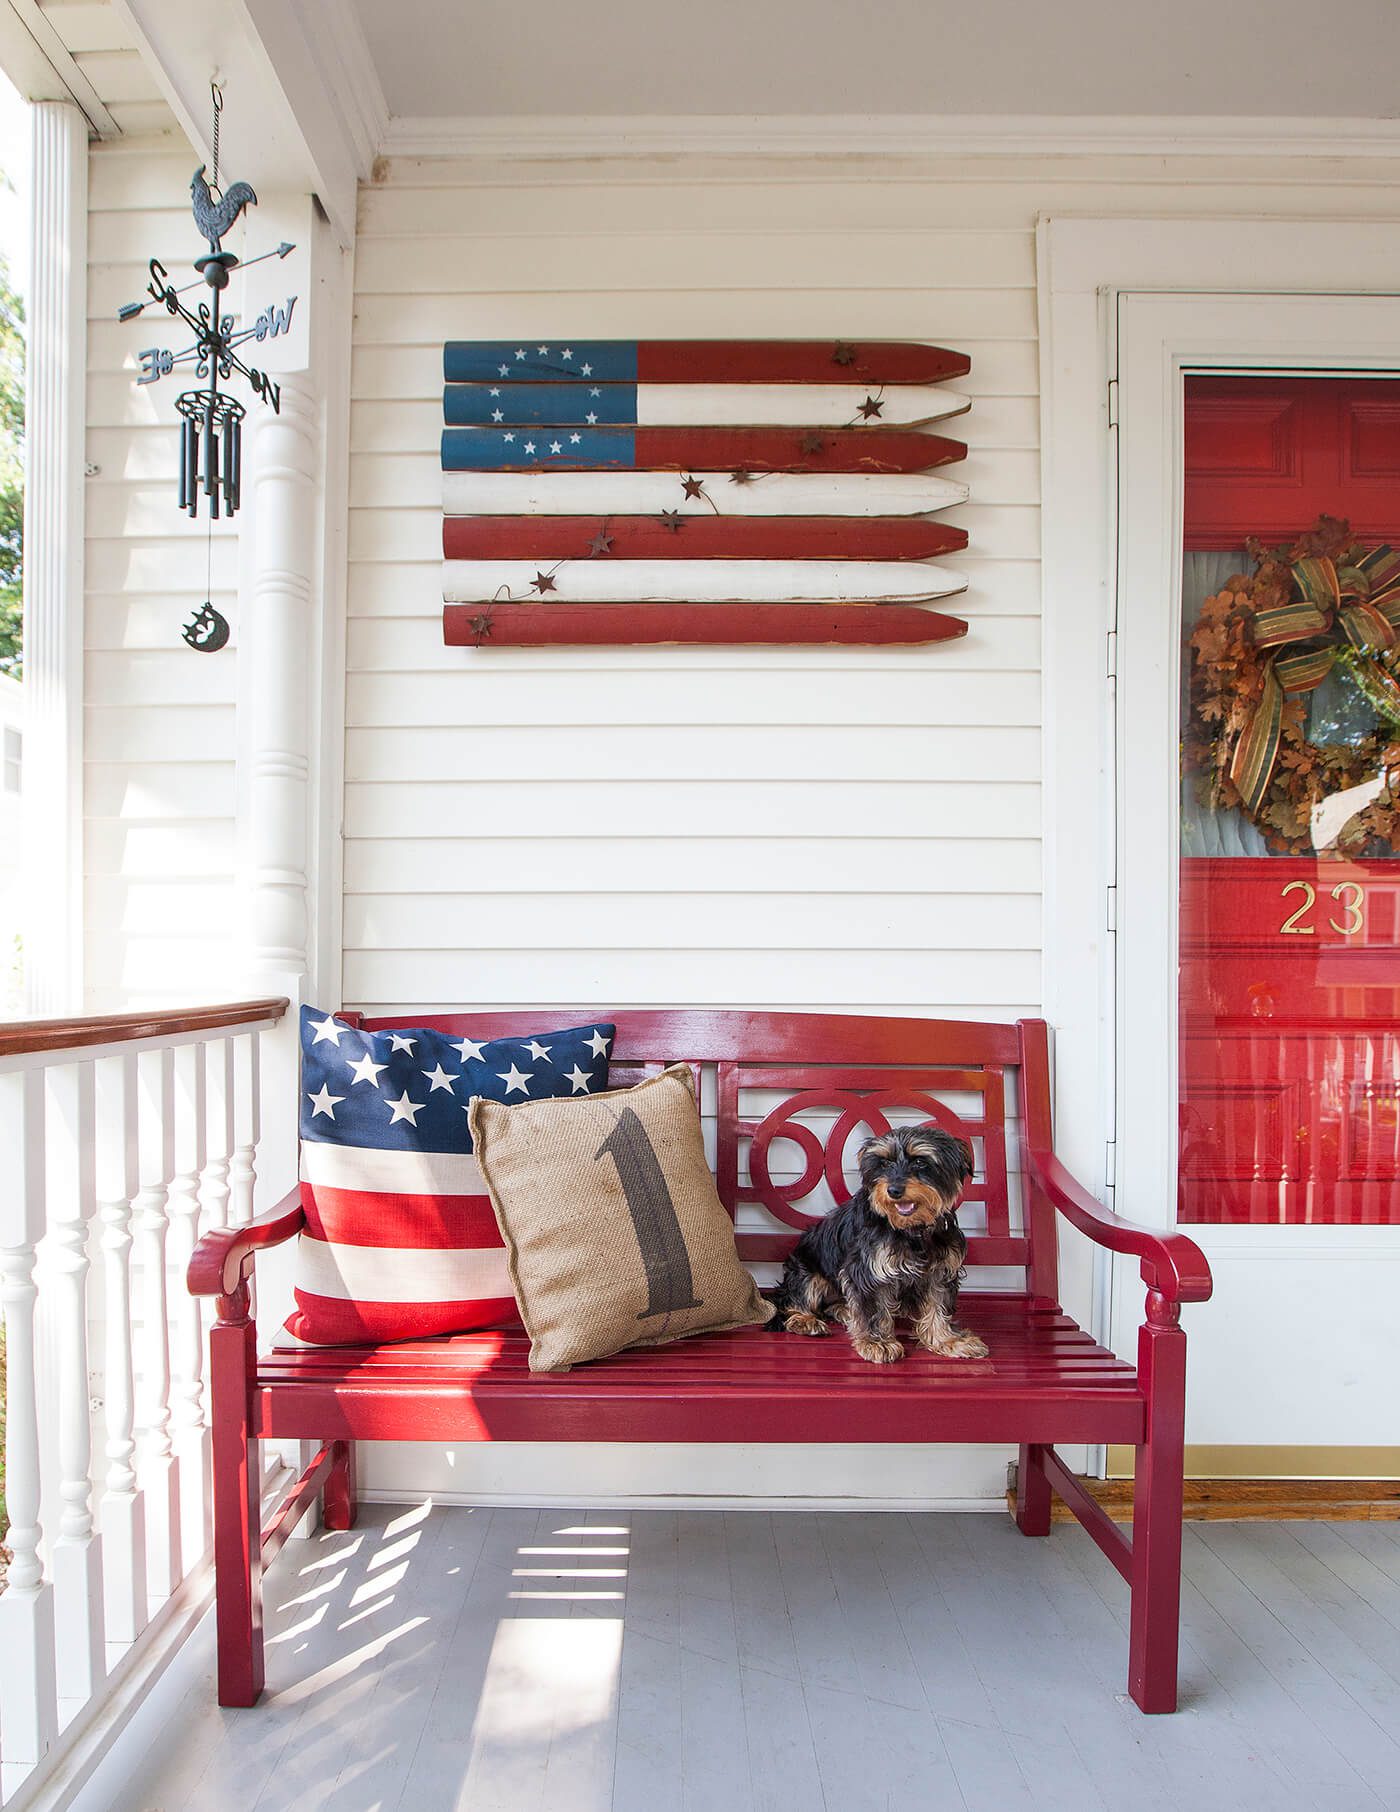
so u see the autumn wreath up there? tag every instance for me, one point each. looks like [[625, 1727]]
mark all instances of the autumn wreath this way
[[1259, 647]]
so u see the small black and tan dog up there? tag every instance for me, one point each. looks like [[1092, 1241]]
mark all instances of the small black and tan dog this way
[[893, 1252]]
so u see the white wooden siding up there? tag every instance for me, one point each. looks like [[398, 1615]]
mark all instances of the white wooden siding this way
[[794, 828], [159, 724]]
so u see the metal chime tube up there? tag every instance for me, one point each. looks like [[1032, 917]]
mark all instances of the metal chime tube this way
[[187, 497], [211, 459], [236, 469], [229, 459]]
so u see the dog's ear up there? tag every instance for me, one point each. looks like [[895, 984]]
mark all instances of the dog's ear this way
[[968, 1164]]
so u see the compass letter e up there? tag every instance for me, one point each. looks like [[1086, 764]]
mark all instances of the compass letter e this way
[[664, 1255]]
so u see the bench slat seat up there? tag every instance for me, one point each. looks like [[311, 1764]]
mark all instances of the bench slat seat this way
[[788, 1098], [1045, 1380]]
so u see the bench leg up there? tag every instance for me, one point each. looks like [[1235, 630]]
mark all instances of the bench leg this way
[[1157, 1498], [1032, 1492], [237, 1473], [339, 1503]]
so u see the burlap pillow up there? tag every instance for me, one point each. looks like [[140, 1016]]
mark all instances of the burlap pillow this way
[[615, 1233]]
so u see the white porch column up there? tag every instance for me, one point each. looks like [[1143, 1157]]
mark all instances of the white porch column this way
[[277, 701], [276, 642], [53, 561]]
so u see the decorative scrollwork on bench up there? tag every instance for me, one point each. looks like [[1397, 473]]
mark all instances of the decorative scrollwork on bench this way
[[825, 1161]]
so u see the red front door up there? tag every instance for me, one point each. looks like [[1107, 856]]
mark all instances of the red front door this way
[[1290, 805]]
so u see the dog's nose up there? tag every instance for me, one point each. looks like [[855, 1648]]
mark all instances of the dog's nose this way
[[896, 1191]]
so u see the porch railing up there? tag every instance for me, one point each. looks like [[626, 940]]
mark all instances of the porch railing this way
[[122, 1140]]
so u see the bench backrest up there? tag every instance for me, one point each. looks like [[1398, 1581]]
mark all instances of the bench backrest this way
[[787, 1099]]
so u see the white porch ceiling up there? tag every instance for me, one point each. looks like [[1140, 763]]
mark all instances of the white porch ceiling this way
[[1274, 59]]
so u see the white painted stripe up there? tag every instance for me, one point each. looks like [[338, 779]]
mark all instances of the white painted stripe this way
[[700, 581], [649, 493], [391, 1172], [792, 405], [401, 1274]]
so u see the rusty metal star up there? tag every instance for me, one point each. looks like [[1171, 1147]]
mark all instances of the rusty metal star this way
[[740, 476], [870, 407], [601, 543], [673, 520], [844, 353], [542, 582], [693, 487], [812, 443], [481, 627]]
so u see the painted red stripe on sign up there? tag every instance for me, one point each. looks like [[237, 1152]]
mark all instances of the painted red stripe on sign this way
[[622, 625], [353, 1217], [867, 450], [333, 1322], [702, 536], [796, 362]]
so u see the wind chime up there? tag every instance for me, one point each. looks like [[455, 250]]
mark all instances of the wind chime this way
[[211, 422]]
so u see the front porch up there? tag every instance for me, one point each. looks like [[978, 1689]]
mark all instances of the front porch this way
[[353, 801], [586, 1660]]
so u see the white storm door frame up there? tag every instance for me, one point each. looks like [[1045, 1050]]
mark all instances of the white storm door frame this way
[[1126, 307]]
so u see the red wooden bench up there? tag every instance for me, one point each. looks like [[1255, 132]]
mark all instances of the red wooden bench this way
[[777, 1082]]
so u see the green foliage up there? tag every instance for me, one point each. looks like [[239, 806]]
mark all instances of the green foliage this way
[[11, 475]]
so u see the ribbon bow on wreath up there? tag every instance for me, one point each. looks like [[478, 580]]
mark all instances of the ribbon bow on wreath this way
[[1340, 608]]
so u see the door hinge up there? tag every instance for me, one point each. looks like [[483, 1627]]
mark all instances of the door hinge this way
[[1113, 402], [1111, 654], [1111, 920], [1110, 1163]]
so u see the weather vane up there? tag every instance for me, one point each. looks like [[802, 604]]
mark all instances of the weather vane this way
[[211, 453]]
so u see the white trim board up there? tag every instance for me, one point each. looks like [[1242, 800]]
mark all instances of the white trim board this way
[[1222, 294], [835, 135]]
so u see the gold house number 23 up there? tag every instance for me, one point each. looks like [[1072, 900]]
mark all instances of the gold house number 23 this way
[[1350, 896]]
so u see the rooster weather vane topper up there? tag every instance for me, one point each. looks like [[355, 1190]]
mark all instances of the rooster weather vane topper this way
[[211, 438]]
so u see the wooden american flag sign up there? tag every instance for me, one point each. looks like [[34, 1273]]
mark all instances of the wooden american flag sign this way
[[698, 491]]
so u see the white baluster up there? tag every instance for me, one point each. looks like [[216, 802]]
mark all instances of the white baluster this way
[[191, 1433], [123, 1500], [248, 1112], [160, 1469], [28, 1690], [77, 1551], [214, 1187]]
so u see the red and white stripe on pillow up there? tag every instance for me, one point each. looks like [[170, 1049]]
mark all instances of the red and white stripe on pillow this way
[[399, 1245]]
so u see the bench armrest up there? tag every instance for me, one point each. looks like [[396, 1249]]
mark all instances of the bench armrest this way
[[224, 1258], [1172, 1265]]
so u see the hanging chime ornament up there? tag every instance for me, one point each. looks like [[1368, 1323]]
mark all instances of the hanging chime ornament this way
[[211, 434]]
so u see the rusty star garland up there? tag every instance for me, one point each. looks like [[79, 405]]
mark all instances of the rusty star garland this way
[[673, 520], [740, 476], [812, 443], [601, 543], [542, 582], [693, 487], [872, 406], [481, 627], [843, 353]]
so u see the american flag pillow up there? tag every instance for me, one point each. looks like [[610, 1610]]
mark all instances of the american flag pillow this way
[[401, 1240]]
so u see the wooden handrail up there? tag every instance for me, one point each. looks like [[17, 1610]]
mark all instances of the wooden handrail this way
[[25, 1037]]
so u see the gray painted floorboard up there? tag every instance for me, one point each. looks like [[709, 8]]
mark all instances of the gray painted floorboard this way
[[448, 1660]]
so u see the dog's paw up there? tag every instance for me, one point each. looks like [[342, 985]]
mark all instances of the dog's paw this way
[[962, 1346], [879, 1352], [800, 1322]]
